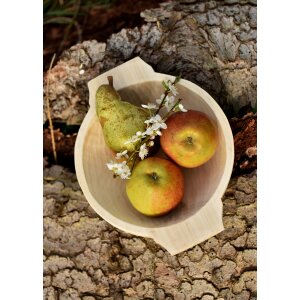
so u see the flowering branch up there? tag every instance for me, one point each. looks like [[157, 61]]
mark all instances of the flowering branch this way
[[168, 88], [153, 128]]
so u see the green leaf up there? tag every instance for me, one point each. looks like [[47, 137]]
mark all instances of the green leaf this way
[[165, 85], [177, 78]]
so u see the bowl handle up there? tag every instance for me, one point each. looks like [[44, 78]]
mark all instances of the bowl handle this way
[[198, 228], [132, 72]]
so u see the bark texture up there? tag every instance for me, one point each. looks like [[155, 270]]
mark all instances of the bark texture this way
[[211, 43], [86, 258]]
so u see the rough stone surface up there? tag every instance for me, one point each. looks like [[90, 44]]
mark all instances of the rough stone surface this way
[[87, 258], [212, 44]]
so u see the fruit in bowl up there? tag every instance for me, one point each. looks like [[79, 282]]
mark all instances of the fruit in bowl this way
[[190, 139], [156, 186], [119, 119]]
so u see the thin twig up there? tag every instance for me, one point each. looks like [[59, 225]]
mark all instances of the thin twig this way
[[133, 163], [162, 101], [177, 78], [49, 112]]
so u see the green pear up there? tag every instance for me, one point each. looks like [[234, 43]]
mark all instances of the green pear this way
[[120, 120]]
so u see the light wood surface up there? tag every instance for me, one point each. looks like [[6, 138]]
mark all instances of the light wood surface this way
[[199, 217]]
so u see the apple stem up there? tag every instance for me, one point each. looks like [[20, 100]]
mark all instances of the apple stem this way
[[189, 140], [154, 176]]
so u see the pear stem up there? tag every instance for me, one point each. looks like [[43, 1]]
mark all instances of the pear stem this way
[[110, 81]]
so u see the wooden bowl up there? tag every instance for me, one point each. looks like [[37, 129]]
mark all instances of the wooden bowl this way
[[199, 216]]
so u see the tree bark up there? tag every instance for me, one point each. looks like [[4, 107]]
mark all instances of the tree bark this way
[[211, 43], [87, 258]]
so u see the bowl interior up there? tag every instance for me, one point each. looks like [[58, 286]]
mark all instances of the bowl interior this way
[[110, 194]]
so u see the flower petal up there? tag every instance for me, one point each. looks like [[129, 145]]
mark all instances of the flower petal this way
[[181, 107]]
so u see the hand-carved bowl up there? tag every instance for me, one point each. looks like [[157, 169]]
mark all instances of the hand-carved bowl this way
[[199, 216]]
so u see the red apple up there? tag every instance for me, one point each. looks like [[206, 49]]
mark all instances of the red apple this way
[[190, 139], [156, 186]]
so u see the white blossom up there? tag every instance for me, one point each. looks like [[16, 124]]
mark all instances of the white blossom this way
[[111, 165], [158, 121], [154, 125], [120, 169], [134, 138], [159, 125], [121, 154], [125, 173], [172, 88], [143, 151], [162, 124], [151, 143], [152, 120], [169, 102], [154, 130], [181, 107], [149, 131], [149, 106]]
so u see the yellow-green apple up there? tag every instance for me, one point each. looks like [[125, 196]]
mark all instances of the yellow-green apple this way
[[156, 186], [190, 139]]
